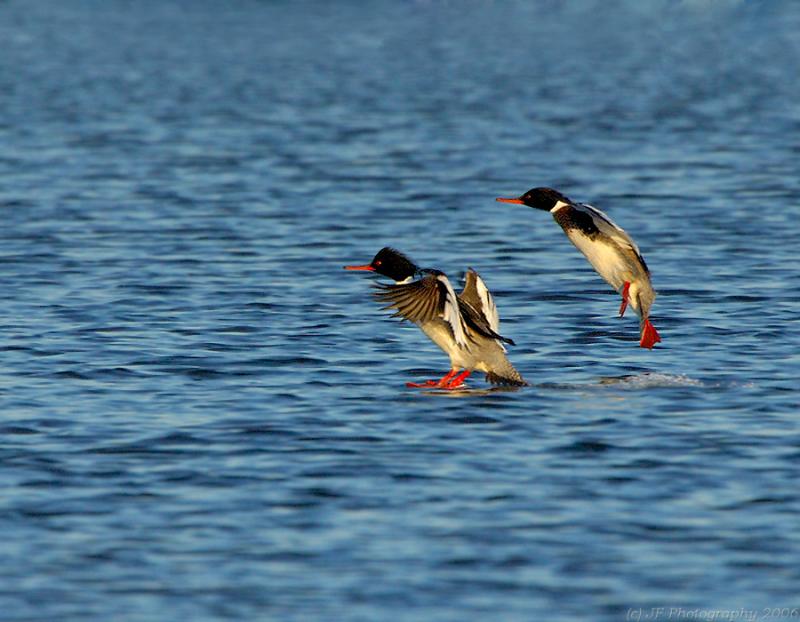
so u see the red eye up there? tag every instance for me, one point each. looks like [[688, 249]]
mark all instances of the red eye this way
[[377, 263]]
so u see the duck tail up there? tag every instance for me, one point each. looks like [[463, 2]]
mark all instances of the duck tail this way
[[506, 375]]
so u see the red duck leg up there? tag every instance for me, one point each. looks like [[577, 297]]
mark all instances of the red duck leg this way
[[624, 304], [458, 380], [433, 383]]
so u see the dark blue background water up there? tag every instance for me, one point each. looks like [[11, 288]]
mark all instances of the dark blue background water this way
[[204, 417]]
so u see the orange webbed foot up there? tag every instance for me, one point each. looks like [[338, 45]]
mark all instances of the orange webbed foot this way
[[433, 383], [458, 381], [650, 336]]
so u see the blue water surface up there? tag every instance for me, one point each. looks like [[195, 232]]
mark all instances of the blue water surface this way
[[203, 417]]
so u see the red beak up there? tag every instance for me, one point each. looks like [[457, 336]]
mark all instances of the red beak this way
[[502, 200], [367, 268]]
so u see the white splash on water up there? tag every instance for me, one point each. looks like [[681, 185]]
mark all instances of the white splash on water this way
[[649, 380]]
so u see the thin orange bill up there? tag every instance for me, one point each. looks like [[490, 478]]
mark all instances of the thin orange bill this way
[[367, 268], [502, 200]]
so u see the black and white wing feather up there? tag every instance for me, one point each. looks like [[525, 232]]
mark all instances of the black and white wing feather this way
[[609, 228], [477, 324], [428, 299], [477, 296]]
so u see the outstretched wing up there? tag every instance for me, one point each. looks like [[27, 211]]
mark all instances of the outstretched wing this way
[[477, 324], [430, 298], [477, 295], [479, 310]]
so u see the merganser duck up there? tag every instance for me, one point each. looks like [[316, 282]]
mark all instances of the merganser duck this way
[[611, 251], [464, 326]]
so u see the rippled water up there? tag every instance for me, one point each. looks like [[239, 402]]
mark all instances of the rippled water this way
[[204, 417]]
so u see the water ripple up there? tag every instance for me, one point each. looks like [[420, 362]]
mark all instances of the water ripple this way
[[205, 417]]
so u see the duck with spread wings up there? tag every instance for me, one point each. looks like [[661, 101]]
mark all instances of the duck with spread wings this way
[[464, 326]]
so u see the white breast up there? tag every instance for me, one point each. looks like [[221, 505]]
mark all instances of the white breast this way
[[440, 334], [606, 258]]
